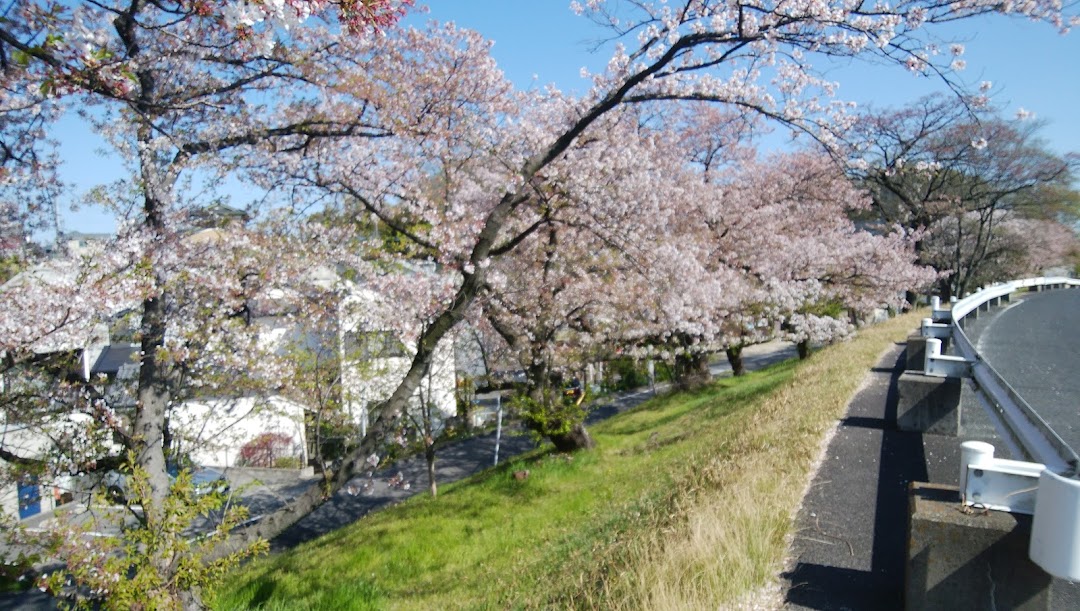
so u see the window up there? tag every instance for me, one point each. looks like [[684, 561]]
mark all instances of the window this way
[[370, 345]]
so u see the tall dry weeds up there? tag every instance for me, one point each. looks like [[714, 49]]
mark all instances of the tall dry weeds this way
[[728, 540]]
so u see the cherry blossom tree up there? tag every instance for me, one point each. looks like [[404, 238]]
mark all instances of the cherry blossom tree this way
[[1047, 244], [418, 127], [768, 251], [774, 248], [1017, 247], [176, 88], [956, 174], [543, 321], [592, 258], [818, 266], [214, 347]]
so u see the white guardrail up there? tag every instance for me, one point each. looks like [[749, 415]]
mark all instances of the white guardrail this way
[[1025, 433], [1049, 486]]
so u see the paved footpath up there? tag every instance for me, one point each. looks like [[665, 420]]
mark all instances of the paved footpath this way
[[849, 547]]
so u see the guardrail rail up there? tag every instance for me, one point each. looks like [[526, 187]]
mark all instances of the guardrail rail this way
[[1047, 487], [1026, 434]]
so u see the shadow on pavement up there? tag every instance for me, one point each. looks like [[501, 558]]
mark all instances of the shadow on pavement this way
[[833, 571]]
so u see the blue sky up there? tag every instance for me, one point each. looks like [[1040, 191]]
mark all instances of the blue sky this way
[[1031, 66]]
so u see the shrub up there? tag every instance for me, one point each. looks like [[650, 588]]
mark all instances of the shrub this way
[[625, 373], [288, 462], [267, 450], [553, 414]]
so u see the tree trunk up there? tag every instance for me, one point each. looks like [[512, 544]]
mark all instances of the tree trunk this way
[[803, 348], [692, 371], [734, 357], [149, 422], [151, 411], [191, 600], [945, 289], [912, 299], [577, 438], [465, 410]]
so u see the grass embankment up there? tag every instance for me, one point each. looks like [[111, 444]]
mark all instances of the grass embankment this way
[[685, 503]]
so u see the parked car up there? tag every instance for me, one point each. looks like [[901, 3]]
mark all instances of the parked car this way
[[206, 480]]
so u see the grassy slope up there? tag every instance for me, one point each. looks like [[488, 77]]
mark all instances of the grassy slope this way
[[685, 503]]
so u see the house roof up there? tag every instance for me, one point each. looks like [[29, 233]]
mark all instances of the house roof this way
[[218, 215]]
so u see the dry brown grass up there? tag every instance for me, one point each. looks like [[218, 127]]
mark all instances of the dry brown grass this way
[[729, 544]]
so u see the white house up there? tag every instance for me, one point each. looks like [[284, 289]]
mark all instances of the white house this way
[[375, 360], [78, 344], [31, 495], [216, 432]]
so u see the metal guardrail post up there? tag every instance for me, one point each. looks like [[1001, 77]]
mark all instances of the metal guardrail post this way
[[940, 365], [997, 483], [939, 313], [930, 328]]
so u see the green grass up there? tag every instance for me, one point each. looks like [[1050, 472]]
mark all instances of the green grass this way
[[685, 503]]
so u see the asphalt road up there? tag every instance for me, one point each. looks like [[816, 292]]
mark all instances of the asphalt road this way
[[1035, 345]]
